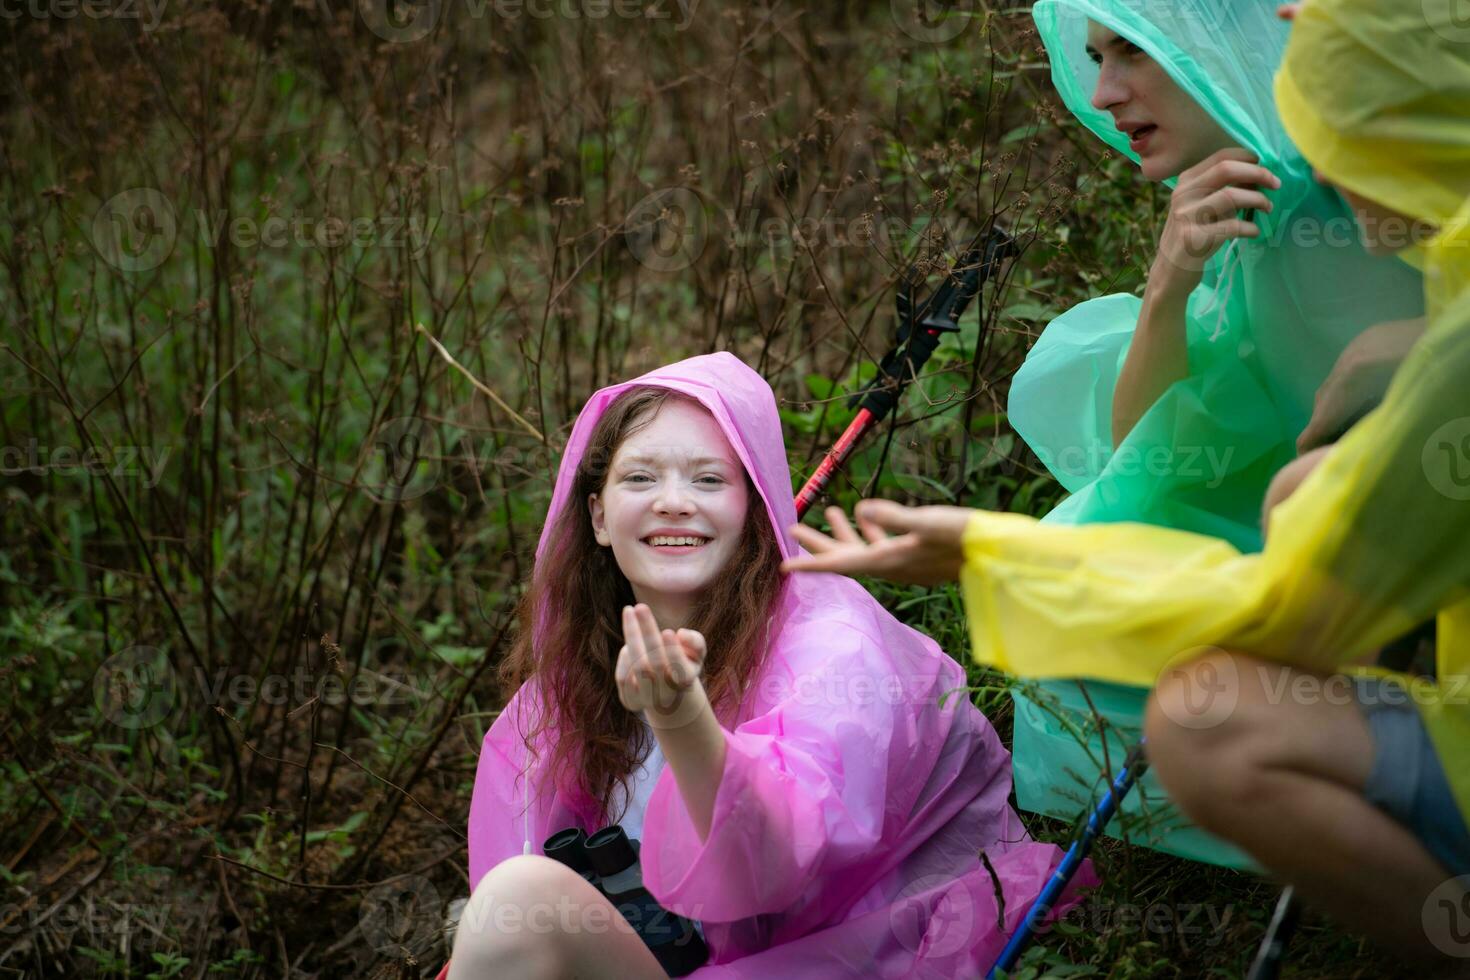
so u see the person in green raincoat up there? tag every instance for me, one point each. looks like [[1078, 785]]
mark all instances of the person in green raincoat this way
[[1349, 782], [1178, 407]]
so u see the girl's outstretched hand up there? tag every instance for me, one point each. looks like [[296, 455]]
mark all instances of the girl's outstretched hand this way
[[658, 670], [926, 551]]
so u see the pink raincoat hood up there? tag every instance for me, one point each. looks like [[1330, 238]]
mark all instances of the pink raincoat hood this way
[[853, 809], [738, 398]]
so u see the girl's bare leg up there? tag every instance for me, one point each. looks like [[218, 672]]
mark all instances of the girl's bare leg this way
[[532, 918], [1275, 760]]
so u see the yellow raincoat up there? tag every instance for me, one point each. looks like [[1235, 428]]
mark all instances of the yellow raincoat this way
[[1376, 93]]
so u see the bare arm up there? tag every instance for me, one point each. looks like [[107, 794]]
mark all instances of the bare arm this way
[[658, 674], [1287, 479], [1359, 379], [695, 751], [1157, 357]]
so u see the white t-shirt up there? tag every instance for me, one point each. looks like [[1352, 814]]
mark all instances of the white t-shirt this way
[[640, 788]]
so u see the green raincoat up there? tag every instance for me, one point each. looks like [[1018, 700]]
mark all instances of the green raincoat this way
[[1377, 539], [1263, 328]]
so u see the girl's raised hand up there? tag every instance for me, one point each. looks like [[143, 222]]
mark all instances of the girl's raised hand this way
[[927, 550], [658, 670]]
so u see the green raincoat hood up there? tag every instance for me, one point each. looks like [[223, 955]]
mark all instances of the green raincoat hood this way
[[1222, 53]]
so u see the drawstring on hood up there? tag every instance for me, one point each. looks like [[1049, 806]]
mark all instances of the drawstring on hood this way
[[1232, 267]]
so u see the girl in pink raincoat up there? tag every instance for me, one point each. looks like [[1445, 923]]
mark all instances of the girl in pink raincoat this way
[[781, 746]]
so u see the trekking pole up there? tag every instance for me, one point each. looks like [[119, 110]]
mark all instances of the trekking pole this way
[[1133, 769], [1267, 963], [920, 328]]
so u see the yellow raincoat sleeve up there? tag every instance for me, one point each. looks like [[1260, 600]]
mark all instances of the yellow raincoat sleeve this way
[[1375, 541]]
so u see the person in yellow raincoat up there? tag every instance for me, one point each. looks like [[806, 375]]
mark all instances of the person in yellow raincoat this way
[[1347, 781]]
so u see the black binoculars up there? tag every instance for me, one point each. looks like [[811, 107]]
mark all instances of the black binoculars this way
[[608, 861]]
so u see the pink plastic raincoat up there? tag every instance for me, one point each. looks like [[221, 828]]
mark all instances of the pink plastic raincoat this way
[[853, 810]]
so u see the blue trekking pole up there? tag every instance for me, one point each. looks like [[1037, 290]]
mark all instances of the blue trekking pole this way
[[1267, 963], [1134, 767]]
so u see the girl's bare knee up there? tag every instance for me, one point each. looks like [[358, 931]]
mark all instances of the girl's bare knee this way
[[508, 928], [529, 875]]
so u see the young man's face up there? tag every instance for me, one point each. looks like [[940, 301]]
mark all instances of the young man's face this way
[[1168, 130]]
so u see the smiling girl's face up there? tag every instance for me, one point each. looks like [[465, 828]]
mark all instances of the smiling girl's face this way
[[1168, 130], [672, 508]]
